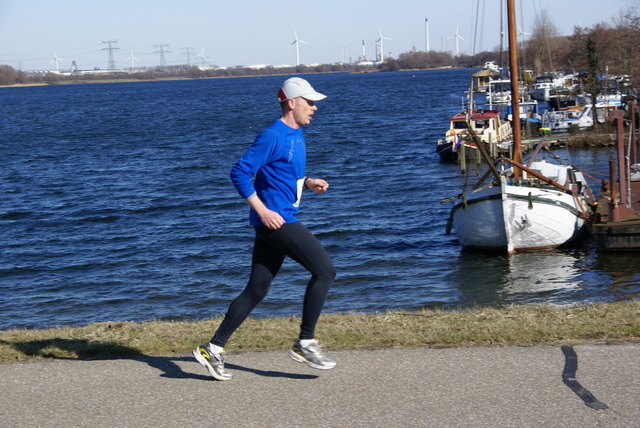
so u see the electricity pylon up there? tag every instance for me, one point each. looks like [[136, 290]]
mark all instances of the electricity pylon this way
[[162, 51], [110, 48]]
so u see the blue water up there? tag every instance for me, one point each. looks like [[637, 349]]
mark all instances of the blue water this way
[[116, 204]]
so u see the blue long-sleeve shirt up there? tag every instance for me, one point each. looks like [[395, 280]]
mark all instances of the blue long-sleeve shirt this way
[[277, 159]]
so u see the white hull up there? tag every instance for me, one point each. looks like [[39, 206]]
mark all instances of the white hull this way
[[514, 218], [541, 93], [561, 121], [544, 85]]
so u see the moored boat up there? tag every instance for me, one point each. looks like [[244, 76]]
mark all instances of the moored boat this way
[[525, 214], [499, 92], [530, 117], [541, 87], [535, 206], [580, 117], [548, 85], [482, 78], [490, 128]]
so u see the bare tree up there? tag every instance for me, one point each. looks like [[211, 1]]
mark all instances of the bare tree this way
[[541, 44], [628, 54]]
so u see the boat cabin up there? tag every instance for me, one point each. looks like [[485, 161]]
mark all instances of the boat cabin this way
[[490, 128], [482, 78], [487, 124]]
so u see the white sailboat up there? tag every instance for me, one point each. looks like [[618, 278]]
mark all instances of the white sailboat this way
[[527, 207], [524, 214]]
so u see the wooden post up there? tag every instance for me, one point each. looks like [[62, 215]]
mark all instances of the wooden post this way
[[634, 140], [463, 157], [622, 164]]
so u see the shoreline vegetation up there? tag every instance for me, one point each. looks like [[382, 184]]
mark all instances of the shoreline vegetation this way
[[106, 79], [53, 79], [518, 325]]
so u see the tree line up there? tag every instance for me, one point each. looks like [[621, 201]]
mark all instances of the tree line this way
[[9, 76], [604, 48]]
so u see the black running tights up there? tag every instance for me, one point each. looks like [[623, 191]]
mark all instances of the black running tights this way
[[269, 250]]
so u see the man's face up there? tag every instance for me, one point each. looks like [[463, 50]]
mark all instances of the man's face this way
[[303, 110]]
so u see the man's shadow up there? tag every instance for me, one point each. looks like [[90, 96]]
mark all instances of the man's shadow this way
[[89, 350]]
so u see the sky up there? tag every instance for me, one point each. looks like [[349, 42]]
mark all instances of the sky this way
[[257, 32]]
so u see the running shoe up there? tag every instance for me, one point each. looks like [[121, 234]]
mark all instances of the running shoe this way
[[311, 355], [213, 362]]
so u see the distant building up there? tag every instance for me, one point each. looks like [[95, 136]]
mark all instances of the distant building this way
[[276, 67], [253, 67]]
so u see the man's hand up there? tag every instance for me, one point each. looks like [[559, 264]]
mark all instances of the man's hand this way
[[318, 185], [271, 219]]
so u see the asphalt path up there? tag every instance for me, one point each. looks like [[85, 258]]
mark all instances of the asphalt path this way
[[541, 386]]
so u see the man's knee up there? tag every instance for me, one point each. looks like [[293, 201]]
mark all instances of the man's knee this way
[[329, 271]]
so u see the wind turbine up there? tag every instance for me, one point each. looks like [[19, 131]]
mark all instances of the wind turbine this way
[[457, 37], [132, 58], [201, 55], [381, 45], [522, 33], [522, 36], [297, 43], [56, 60], [426, 34]]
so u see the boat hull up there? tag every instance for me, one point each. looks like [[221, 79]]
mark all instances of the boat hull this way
[[562, 121], [513, 218], [446, 152]]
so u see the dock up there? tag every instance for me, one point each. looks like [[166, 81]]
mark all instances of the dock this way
[[617, 223]]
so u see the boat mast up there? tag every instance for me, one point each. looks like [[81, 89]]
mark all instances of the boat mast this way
[[515, 97]]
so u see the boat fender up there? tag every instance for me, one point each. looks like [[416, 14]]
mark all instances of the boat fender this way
[[530, 201], [465, 205]]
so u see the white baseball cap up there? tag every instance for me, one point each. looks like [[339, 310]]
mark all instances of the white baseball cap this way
[[297, 87]]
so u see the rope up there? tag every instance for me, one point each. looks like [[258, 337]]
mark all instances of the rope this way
[[593, 172]]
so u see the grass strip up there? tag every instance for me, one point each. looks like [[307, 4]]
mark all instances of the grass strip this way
[[512, 326]]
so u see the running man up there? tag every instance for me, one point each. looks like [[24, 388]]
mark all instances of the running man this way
[[277, 160]]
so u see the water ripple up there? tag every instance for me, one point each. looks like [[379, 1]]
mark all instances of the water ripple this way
[[117, 204]]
